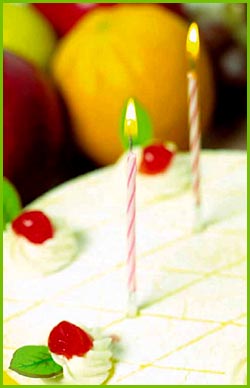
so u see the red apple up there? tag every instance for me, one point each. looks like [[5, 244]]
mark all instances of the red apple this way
[[176, 8], [64, 16], [33, 126]]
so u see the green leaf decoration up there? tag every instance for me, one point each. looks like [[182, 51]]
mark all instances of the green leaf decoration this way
[[11, 202], [145, 128], [35, 361]]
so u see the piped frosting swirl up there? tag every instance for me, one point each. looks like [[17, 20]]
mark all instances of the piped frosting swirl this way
[[48, 257], [91, 369]]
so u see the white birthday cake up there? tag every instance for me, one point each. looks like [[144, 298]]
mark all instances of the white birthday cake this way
[[65, 291]]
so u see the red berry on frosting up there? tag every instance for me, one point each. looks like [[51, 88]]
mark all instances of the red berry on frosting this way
[[34, 225], [69, 340], [155, 159]]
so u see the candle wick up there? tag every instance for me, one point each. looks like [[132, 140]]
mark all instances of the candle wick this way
[[130, 143]]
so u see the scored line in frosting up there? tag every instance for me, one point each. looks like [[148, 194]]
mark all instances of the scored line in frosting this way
[[218, 328]]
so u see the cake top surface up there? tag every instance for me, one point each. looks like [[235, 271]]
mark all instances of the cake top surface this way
[[191, 286]]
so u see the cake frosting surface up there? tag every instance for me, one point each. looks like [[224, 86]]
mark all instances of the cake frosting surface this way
[[191, 326]]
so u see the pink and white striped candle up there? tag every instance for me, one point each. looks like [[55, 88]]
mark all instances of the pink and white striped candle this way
[[193, 48], [194, 135], [130, 129], [131, 232]]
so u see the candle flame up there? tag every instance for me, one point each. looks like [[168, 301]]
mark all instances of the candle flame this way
[[130, 123], [193, 41]]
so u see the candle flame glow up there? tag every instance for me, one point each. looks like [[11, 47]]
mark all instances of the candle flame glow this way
[[193, 41], [130, 123]]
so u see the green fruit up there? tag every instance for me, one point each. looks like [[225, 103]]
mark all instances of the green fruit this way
[[27, 33], [11, 202]]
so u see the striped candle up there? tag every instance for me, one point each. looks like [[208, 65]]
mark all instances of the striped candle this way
[[130, 129], [131, 233], [194, 135], [193, 48]]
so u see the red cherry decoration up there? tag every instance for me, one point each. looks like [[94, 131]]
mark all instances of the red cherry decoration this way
[[155, 159], [69, 340], [34, 225]]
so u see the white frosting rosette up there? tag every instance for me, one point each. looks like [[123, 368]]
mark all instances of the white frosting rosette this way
[[93, 368], [52, 255]]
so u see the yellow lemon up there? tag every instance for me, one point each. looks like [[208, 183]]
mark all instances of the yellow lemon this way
[[128, 51]]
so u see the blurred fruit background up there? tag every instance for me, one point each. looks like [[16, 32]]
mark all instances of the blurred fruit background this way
[[69, 68]]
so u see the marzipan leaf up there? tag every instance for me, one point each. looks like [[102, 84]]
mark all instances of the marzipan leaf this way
[[35, 361], [11, 202]]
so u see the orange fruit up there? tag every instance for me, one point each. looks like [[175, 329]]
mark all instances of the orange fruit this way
[[128, 51]]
